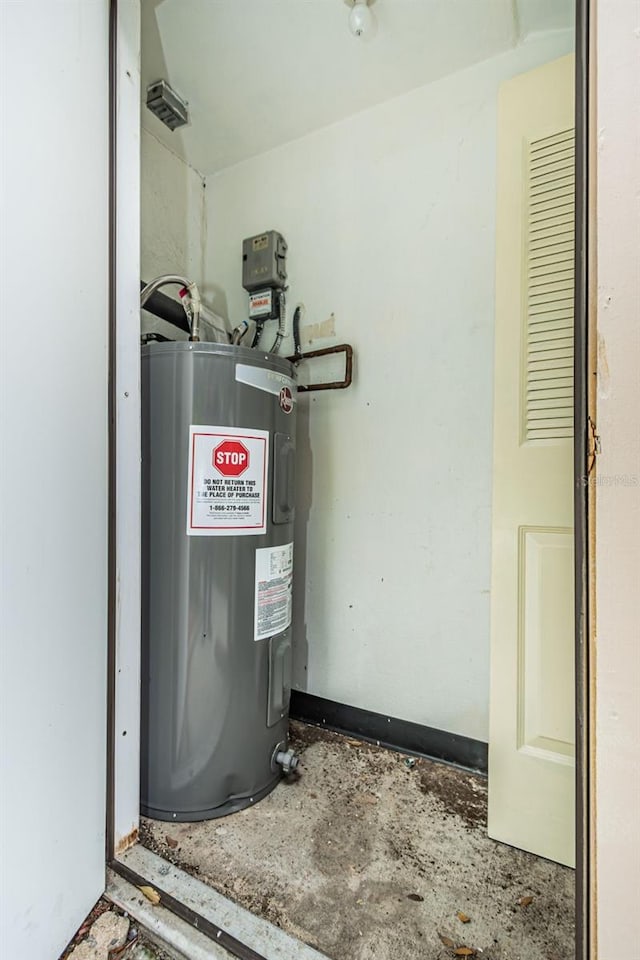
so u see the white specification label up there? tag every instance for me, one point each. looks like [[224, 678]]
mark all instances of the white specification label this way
[[260, 303], [227, 481], [274, 581]]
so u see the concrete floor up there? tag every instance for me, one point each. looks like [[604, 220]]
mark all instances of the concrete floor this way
[[364, 857]]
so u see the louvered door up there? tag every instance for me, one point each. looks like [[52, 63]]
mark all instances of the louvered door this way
[[531, 749], [549, 229]]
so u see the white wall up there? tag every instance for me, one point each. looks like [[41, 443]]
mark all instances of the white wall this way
[[53, 413], [173, 225], [390, 220], [617, 627]]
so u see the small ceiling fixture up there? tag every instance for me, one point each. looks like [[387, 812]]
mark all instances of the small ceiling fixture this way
[[361, 19]]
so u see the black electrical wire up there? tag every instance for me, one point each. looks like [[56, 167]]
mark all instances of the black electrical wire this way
[[257, 334], [297, 349]]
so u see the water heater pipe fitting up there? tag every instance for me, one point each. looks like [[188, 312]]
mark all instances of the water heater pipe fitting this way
[[192, 293]]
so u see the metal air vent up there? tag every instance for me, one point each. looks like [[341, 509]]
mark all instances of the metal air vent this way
[[550, 228], [167, 105]]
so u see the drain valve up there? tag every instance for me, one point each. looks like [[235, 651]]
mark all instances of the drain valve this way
[[286, 759]]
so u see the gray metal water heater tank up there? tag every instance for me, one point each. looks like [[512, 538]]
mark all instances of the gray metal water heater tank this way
[[218, 470]]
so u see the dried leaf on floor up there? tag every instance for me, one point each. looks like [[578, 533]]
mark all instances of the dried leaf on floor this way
[[171, 842], [462, 917], [123, 952], [415, 897], [152, 895], [525, 901], [465, 952], [448, 942]]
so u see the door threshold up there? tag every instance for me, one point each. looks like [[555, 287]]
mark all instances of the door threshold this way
[[162, 927], [194, 906]]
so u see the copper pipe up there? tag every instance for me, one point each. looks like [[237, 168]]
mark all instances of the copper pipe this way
[[345, 348]]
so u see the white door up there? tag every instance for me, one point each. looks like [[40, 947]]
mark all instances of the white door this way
[[53, 460], [531, 741]]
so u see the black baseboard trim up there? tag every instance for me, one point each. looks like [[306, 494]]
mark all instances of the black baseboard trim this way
[[401, 735]]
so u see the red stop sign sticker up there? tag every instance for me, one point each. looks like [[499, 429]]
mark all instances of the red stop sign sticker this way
[[286, 399], [230, 458]]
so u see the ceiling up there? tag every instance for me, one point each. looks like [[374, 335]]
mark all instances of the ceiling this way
[[258, 73]]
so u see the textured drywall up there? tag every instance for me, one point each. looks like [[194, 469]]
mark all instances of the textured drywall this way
[[173, 224]]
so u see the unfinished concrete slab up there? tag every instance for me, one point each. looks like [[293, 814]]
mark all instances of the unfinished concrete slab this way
[[368, 854]]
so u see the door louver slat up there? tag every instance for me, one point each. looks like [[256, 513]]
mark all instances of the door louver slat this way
[[548, 342]]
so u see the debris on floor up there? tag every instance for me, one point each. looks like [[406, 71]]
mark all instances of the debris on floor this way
[[367, 857], [108, 934]]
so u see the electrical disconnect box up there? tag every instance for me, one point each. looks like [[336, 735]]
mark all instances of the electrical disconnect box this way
[[264, 273], [264, 261]]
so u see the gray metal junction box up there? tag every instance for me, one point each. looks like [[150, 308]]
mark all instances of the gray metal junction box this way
[[264, 261]]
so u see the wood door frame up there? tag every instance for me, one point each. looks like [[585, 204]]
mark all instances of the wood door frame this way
[[123, 745], [119, 632], [583, 327]]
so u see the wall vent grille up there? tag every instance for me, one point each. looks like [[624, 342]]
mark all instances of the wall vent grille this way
[[549, 251]]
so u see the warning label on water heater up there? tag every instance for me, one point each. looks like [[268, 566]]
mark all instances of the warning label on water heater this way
[[227, 481], [274, 582]]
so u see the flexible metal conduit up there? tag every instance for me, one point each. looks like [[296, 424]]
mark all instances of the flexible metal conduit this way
[[282, 324]]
